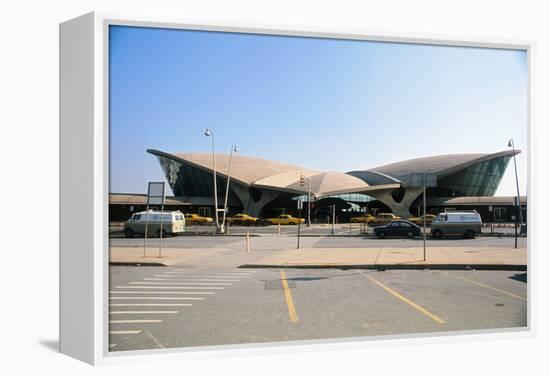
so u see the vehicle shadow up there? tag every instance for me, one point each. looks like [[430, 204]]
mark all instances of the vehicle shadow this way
[[519, 277]]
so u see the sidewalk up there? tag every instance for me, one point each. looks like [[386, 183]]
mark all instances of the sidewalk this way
[[371, 258]]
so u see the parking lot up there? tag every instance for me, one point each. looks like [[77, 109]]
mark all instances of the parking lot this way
[[164, 307]]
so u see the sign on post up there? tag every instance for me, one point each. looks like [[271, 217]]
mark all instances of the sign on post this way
[[155, 197], [155, 193], [423, 179], [417, 179]]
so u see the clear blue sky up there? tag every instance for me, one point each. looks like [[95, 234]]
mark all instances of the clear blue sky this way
[[319, 103]]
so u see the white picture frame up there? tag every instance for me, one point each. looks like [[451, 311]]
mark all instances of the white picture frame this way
[[84, 185]]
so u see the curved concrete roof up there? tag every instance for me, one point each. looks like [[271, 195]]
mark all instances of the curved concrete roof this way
[[442, 165], [267, 174], [261, 173], [244, 169], [322, 184]]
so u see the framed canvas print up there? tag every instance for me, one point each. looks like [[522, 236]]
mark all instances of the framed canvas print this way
[[229, 188]]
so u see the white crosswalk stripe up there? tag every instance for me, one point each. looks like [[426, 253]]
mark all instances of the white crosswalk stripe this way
[[124, 332], [192, 279], [135, 321], [145, 312], [157, 298], [162, 293], [149, 304]]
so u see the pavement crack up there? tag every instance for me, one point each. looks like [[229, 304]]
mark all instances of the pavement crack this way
[[159, 344]]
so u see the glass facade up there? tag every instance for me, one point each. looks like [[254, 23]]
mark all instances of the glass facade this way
[[186, 180], [478, 180]]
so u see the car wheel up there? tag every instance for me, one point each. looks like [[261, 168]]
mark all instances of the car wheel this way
[[410, 235], [381, 235], [437, 233], [163, 233], [129, 233], [469, 234]]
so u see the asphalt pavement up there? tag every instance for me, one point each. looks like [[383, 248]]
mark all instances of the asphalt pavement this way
[[165, 307], [275, 242]]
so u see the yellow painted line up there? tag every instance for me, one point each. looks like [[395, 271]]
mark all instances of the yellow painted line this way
[[426, 312], [288, 297], [487, 286]]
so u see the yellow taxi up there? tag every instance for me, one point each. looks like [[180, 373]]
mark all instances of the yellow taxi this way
[[384, 218], [285, 220], [362, 219], [420, 219], [242, 218], [193, 218]]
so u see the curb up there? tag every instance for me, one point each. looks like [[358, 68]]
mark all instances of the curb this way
[[138, 264], [382, 267]]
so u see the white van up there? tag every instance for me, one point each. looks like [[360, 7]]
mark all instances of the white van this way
[[463, 223], [173, 222]]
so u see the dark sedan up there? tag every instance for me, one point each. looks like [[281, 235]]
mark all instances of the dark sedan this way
[[398, 228]]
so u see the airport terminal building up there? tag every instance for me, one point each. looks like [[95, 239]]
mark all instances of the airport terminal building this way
[[263, 188]]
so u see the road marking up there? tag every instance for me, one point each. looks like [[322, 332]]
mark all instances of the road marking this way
[[136, 321], [193, 283], [214, 272], [161, 279], [406, 300], [131, 332], [486, 286], [161, 293], [176, 277], [288, 297], [156, 298], [146, 312], [208, 287], [156, 304], [225, 276], [163, 287], [112, 345]]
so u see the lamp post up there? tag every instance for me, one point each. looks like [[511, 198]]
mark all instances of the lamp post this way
[[208, 132], [511, 144], [234, 148], [302, 181]]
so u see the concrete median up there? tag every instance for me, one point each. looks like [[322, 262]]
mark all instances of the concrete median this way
[[372, 258]]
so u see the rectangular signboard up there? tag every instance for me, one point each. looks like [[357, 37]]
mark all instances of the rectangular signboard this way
[[417, 179], [155, 193]]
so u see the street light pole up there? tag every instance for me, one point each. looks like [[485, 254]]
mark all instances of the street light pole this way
[[234, 148], [511, 144], [308, 201], [208, 132]]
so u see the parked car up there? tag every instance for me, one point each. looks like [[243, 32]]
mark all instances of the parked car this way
[[397, 228], [172, 222], [242, 218], [420, 219], [362, 219], [286, 220], [384, 218], [193, 218], [464, 223]]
